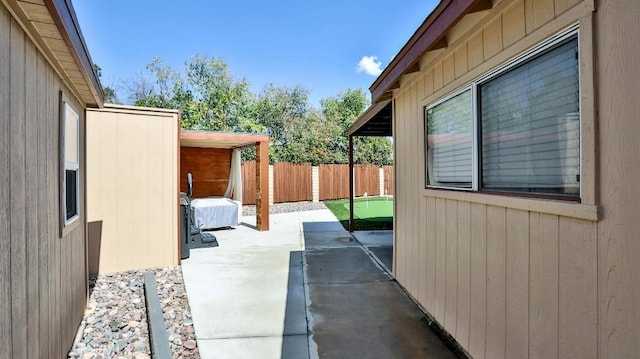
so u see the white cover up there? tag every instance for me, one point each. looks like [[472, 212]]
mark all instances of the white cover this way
[[215, 212]]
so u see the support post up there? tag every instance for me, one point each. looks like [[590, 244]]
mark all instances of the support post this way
[[262, 186], [351, 184]]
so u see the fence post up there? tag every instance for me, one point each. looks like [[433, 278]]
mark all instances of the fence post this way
[[381, 181], [315, 184], [271, 185]]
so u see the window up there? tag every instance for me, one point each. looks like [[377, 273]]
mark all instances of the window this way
[[517, 130], [69, 140], [450, 142]]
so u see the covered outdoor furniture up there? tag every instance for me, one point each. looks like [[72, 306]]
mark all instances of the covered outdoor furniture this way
[[215, 212]]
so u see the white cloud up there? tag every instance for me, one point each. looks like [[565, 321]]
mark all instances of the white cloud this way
[[370, 65]]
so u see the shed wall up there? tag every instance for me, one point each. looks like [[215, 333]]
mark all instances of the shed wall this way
[[43, 278], [512, 277], [132, 188], [618, 99]]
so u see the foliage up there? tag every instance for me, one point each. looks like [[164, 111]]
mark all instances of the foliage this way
[[211, 99]]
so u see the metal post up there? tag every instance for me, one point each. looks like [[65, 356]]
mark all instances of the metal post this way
[[351, 194]]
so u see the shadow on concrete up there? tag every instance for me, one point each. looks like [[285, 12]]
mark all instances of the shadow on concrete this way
[[356, 309], [295, 342], [251, 226]]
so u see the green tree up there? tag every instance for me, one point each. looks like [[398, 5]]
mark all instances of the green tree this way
[[209, 97], [110, 95], [340, 112], [284, 112]]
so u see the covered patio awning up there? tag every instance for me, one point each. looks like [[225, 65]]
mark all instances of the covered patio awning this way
[[231, 141], [377, 120]]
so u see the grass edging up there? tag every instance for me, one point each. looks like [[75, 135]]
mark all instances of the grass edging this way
[[157, 329]]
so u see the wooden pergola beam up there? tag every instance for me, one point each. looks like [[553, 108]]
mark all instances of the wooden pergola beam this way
[[262, 185]]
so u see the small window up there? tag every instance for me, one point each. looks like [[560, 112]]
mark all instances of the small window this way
[[450, 142], [70, 158], [516, 130]]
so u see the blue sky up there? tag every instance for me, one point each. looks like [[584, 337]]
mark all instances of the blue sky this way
[[315, 44]]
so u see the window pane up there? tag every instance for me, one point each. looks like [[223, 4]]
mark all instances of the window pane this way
[[450, 142], [531, 126], [71, 193], [70, 134]]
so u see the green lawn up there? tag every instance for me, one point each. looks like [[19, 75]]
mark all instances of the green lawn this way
[[369, 214]]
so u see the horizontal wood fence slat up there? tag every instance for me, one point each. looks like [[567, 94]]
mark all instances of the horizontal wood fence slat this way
[[291, 182]]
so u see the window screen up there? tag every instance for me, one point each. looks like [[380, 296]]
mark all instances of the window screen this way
[[529, 116], [450, 142], [71, 193]]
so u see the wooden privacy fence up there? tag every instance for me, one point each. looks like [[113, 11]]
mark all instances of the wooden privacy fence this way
[[388, 180], [334, 181], [367, 178], [249, 182], [291, 182], [295, 182]]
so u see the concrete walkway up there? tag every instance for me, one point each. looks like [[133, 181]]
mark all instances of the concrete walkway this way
[[305, 289]]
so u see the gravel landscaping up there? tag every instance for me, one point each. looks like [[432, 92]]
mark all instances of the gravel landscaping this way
[[115, 321], [250, 210]]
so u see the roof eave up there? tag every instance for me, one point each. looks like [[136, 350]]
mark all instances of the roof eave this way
[[427, 37], [65, 18]]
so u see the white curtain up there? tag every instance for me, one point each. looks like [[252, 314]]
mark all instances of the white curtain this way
[[235, 177]]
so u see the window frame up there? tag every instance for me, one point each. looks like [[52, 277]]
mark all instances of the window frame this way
[[554, 41], [68, 224]]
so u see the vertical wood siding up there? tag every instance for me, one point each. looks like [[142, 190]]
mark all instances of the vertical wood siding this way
[[619, 129], [210, 168], [132, 188], [43, 280], [510, 283]]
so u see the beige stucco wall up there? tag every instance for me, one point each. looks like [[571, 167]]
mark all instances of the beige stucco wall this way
[[132, 188], [513, 277]]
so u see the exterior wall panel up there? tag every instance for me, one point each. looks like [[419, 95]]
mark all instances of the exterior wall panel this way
[[43, 279], [505, 278], [132, 194], [618, 259]]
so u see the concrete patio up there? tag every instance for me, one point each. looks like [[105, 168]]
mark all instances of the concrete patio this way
[[305, 289]]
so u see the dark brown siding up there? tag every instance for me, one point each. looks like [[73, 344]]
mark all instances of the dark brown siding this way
[[210, 168], [43, 282]]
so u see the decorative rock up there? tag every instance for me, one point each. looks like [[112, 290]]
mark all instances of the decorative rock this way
[[119, 346], [189, 344], [116, 320]]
